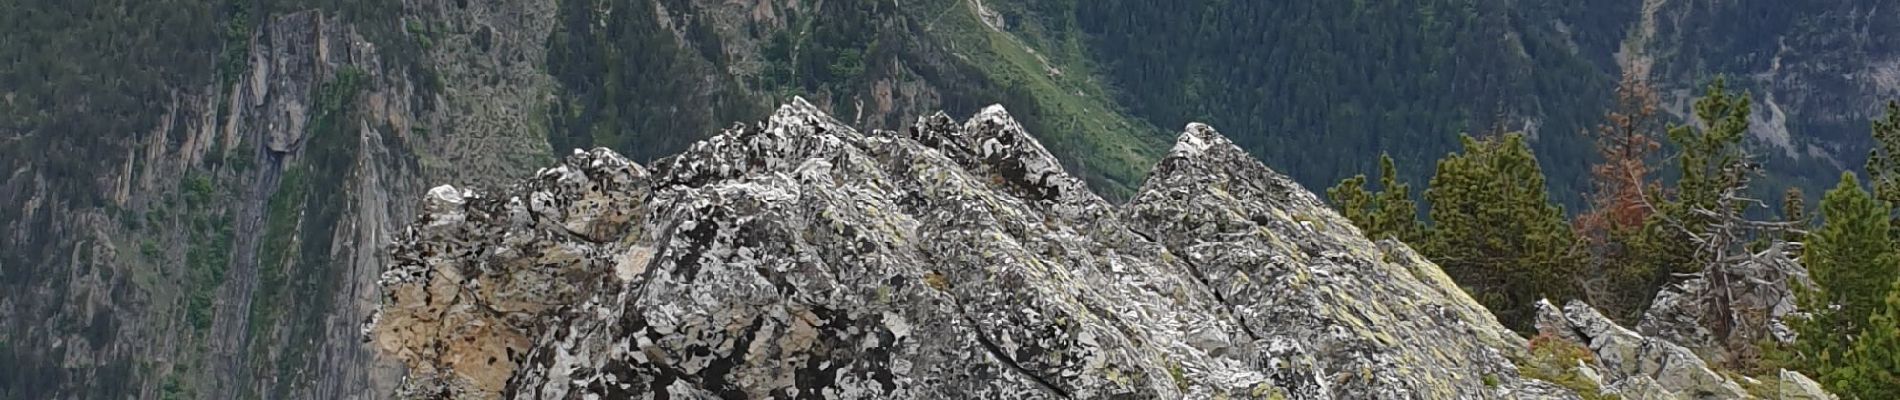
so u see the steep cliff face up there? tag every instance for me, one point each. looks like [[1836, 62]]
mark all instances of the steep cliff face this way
[[801, 257], [233, 251], [165, 287]]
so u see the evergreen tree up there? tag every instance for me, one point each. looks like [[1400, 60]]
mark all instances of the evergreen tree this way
[[1794, 210], [1355, 202], [1851, 257], [1398, 214], [1710, 162], [1708, 155], [1872, 368], [1388, 213], [1853, 263], [1883, 162], [1496, 232]]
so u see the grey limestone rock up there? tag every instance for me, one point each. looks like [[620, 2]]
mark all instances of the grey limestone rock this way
[[799, 258], [1635, 366], [1794, 386]]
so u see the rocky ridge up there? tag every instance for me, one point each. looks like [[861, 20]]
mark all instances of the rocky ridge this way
[[801, 258]]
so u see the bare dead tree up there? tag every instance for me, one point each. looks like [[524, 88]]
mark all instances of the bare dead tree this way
[[1721, 246]]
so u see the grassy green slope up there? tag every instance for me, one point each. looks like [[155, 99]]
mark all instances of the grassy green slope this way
[[1049, 84]]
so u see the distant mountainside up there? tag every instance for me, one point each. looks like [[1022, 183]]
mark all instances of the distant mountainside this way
[[1817, 71], [202, 184], [1320, 86], [1323, 87]]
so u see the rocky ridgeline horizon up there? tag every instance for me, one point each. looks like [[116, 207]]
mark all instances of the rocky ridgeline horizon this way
[[800, 258]]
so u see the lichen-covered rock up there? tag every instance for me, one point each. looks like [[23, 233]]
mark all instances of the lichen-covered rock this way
[[1550, 321], [1336, 315], [1794, 386], [1637, 367], [473, 277], [798, 258]]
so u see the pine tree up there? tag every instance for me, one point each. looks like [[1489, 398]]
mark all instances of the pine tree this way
[[1626, 142], [1872, 369], [1355, 202], [1708, 155], [1710, 164], [1794, 210], [1851, 256], [1388, 213], [1853, 263], [1398, 214], [1883, 162], [1619, 203], [1496, 232]]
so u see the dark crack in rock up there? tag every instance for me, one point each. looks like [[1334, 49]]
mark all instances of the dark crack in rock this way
[[799, 258]]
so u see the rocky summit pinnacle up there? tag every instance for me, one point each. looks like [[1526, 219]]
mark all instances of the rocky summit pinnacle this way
[[799, 258]]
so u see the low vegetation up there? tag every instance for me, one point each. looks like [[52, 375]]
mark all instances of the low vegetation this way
[[1561, 362]]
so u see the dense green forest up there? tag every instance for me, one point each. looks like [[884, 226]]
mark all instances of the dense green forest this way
[[626, 78]]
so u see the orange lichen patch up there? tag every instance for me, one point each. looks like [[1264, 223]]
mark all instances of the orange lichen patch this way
[[434, 329]]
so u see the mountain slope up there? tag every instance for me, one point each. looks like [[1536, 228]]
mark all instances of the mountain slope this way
[[202, 184], [212, 249], [201, 201]]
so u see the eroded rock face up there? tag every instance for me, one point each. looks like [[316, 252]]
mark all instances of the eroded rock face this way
[[474, 277], [800, 258]]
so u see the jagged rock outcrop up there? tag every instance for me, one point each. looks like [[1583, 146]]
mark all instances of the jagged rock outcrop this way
[[1634, 366], [1760, 290], [799, 257], [1637, 365]]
